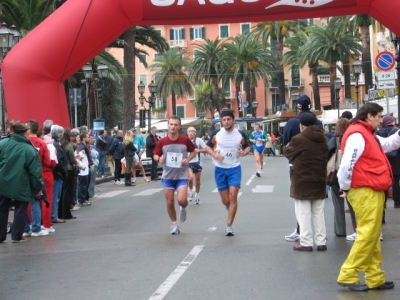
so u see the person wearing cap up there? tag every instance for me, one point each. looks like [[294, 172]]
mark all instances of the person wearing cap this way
[[175, 151], [226, 146], [140, 146], [290, 130], [364, 175], [20, 179], [101, 147], [258, 137], [307, 152], [151, 142], [195, 165], [387, 129]]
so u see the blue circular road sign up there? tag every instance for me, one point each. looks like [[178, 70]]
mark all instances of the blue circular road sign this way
[[385, 61]]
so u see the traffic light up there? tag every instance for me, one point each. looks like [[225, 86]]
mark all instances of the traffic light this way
[[142, 120]]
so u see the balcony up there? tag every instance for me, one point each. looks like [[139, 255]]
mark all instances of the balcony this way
[[324, 79], [229, 95], [177, 43]]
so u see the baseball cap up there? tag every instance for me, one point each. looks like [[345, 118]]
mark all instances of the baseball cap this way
[[304, 103], [191, 129], [133, 129]]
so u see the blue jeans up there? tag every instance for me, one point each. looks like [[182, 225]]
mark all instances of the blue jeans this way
[[92, 182], [57, 189], [102, 162], [36, 218]]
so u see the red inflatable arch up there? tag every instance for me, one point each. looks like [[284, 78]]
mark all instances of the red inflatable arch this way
[[33, 72]]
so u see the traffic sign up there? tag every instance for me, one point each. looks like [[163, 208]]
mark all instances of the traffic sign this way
[[386, 80], [245, 104], [385, 61]]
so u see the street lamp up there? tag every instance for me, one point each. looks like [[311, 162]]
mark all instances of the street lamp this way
[[255, 106], [338, 86], [357, 66], [8, 39], [104, 73], [152, 89], [396, 43], [87, 72]]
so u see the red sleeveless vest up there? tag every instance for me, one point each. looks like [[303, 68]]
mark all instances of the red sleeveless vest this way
[[373, 168]]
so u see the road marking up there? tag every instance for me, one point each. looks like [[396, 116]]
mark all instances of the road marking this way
[[114, 193], [148, 192], [263, 189], [168, 284], [251, 179], [212, 228]]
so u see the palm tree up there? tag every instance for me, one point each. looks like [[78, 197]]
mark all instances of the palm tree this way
[[170, 76], [206, 64], [297, 58], [204, 96], [331, 46], [247, 60], [277, 32]]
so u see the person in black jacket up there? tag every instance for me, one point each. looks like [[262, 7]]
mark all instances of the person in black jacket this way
[[116, 150], [101, 147], [386, 130], [151, 142], [129, 153]]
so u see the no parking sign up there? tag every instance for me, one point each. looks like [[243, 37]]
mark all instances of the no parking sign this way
[[385, 61]]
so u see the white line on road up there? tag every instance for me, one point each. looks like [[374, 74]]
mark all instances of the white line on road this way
[[167, 285], [251, 179], [148, 192], [114, 193], [263, 189]]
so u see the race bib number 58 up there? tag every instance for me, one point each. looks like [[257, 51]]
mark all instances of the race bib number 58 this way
[[174, 160]]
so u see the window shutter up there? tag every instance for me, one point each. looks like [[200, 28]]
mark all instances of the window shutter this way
[[164, 104], [203, 32], [183, 33], [171, 34], [191, 34]]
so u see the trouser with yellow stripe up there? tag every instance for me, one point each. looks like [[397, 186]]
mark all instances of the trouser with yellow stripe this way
[[365, 255]]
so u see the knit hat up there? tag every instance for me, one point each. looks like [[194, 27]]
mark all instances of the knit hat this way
[[19, 127], [304, 103], [307, 119], [388, 120]]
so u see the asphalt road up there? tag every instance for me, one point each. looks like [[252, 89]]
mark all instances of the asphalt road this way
[[120, 248]]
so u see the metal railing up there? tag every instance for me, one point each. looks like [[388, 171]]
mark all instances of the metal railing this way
[[177, 43]]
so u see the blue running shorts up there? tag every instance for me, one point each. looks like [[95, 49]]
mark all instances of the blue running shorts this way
[[259, 149], [196, 168], [225, 178], [174, 184]]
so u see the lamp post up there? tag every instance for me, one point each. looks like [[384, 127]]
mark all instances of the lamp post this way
[[8, 39], [87, 72], [104, 73], [357, 66], [338, 86], [396, 43], [255, 106], [152, 89]]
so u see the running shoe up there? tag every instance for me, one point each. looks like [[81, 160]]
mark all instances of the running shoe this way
[[352, 237], [175, 229], [229, 231], [258, 174], [133, 180], [40, 233], [227, 207], [381, 237], [182, 214], [190, 195], [261, 170], [293, 237], [145, 179], [50, 230], [197, 199]]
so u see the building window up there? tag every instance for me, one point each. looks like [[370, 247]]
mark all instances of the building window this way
[[180, 111], [197, 33], [177, 34], [157, 57], [224, 31], [245, 28], [143, 78], [275, 103], [295, 76], [158, 31], [227, 86], [142, 58]]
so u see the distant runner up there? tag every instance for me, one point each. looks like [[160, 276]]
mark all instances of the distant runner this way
[[258, 138]]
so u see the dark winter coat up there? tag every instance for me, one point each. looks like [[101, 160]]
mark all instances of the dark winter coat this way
[[117, 147], [129, 150], [386, 131], [307, 151], [150, 144]]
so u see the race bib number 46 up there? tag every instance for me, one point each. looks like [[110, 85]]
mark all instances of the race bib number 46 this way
[[230, 155], [174, 160]]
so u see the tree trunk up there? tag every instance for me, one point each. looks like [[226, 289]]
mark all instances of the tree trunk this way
[[129, 81], [366, 57], [279, 70], [332, 76], [315, 86], [173, 101], [214, 83], [347, 79]]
